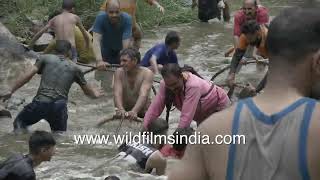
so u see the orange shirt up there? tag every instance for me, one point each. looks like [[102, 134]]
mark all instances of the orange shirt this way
[[262, 49], [128, 6]]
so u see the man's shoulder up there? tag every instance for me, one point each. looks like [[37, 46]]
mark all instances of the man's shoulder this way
[[126, 16], [239, 14], [262, 11]]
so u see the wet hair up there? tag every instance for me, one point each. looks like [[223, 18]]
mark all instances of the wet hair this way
[[158, 126], [171, 69], [40, 139], [250, 27], [62, 46], [181, 138], [133, 53], [112, 178], [294, 34], [68, 4], [172, 37]]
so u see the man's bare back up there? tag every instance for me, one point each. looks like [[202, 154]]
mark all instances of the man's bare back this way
[[63, 26]]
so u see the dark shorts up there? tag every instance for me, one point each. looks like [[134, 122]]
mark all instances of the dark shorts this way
[[55, 113]]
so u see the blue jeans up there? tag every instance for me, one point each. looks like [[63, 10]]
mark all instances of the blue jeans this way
[[55, 113]]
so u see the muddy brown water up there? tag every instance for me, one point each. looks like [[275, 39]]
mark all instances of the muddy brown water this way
[[203, 46]]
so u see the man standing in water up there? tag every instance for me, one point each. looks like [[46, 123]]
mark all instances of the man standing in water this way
[[111, 33], [130, 7], [50, 103], [20, 167], [63, 26], [281, 126], [132, 85]]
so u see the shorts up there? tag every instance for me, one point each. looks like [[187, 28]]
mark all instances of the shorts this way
[[55, 113]]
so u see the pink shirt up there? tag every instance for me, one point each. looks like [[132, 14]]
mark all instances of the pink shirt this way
[[192, 107], [240, 18]]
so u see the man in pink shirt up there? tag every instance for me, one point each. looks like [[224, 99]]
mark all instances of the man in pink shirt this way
[[195, 97], [251, 10]]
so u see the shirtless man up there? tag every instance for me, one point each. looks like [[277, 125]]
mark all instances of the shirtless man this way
[[132, 85], [281, 125], [130, 6], [63, 26]]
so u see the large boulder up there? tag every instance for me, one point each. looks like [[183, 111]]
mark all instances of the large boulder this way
[[12, 60]]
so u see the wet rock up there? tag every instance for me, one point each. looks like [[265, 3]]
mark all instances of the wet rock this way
[[4, 112], [43, 42], [12, 59]]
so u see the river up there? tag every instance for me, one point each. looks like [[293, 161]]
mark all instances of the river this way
[[202, 46]]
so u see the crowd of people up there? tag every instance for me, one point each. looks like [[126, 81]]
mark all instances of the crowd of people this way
[[280, 124]]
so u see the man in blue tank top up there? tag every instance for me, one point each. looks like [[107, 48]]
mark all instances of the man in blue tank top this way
[[281, 126]]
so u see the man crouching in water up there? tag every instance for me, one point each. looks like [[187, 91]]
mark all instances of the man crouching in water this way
[[132, 85], [146, 154]]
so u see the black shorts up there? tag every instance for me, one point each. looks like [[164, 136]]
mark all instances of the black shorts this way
[[55, 113]]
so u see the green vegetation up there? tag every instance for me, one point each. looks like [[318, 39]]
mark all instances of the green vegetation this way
[[18, 15]]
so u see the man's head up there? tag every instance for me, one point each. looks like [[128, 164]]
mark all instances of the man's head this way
[[68, 5], [172, 76], [294, 44], [112, 178], [250, 8], [172, 40], [63, 47], [252, 31], [42, 145], [158, 127], [130, 58], [181, 138], [113, 11]]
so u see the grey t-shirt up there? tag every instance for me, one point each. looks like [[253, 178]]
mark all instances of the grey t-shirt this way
[[57, 76]]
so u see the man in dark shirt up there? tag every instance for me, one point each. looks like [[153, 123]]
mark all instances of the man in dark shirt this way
[[50, 103], [162, 53], [20, 167]]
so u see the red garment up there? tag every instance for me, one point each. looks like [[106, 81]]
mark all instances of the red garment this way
[[240, 18], [168, 151]]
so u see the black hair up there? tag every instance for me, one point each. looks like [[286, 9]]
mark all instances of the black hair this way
[[158, 126], [40, 139], [112, 178], [181, 138], [294, 33], [68, 4], [133, 53], [62, 46], [250, 27], [172, 37], [171, 69]]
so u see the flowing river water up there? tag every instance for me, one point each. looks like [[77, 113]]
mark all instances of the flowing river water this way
[[202, 46]]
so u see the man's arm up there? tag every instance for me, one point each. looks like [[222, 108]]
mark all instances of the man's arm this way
[[156, 107], [83, 31], [189, 106], [154, 64], [91, 91], [101, 65], [127, 33], [156, 3], [158, 162], [20, 82], [38, 35], [26, 78], [117, 91], [144, 92], [235, 41]]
